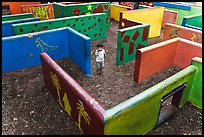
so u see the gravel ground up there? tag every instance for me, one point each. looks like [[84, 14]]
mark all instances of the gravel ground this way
[[28, 107]]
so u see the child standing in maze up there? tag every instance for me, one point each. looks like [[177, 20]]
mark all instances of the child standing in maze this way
[[100, 54]]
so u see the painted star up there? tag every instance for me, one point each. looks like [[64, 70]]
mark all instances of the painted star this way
[[89, 7]]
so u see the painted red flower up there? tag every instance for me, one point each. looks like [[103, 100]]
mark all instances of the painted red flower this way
[[76, 11]]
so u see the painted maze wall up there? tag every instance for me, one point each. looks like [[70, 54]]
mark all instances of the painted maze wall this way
[[92, 25], [157, 57], [61, 10], [153, 16], [169, 17], [139, 114], [183, 10], [195, 96], [193, 21], [116, 9], [17, 16], [43, 11], [132, 115], [84, 110], [15, 7], [132, 35], [7, 25], [19, 52], [173, 31]]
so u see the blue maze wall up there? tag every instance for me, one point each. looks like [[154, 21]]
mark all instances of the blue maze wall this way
[[19, 52], [79, 49], [7, 25]]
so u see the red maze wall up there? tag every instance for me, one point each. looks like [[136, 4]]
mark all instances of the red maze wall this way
[[86, 113]]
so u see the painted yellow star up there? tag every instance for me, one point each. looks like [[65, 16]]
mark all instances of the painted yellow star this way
[[89, 7]]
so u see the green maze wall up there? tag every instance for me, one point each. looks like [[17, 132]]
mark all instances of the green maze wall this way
[[193, 21], [17, 16], [195, 96], [129, 39], [61, 10], [92, 25]]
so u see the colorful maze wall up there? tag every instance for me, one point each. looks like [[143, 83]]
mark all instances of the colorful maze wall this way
[[7, 25], [17, 16], [86, 113], [154, 58], [62, 10], [183, 10], [24, 50], [133, 115], [139, 114], [116, 9], [193, 21], [67, 37], [92, 25], [43, 11], [173, 31], [15, 7], [132, 35], [169, 17], [196, 97], [152, 16]]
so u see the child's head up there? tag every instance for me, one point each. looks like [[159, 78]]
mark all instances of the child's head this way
[[100, 45]]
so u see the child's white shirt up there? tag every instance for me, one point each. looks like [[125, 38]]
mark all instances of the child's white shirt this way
[[100, 55]]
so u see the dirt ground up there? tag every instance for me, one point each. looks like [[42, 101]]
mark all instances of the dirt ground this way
[[28, 107]]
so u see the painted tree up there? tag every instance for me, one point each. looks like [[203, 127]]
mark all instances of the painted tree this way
[[55, 81], [66, 105], [82, 113]]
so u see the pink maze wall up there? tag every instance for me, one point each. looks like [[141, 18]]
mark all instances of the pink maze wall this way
[[154, 58], [173, 31]]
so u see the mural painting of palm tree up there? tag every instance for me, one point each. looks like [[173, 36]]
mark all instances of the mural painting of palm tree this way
[[66, 105], [82, 113]]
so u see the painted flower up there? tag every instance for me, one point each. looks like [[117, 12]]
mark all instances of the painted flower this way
[[76, 11]]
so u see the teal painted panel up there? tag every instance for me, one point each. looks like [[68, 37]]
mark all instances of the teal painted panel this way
[[92, 25]]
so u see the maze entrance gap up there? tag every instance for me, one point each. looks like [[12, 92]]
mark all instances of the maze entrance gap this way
[[169, 104]]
